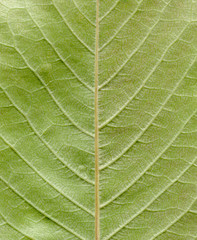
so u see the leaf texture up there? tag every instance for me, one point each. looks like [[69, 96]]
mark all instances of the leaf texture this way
[[145, 52]]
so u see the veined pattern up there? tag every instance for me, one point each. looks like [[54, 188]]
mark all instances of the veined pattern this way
[[147, 119]]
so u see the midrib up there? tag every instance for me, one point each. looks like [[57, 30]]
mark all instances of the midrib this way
[[97, 229]]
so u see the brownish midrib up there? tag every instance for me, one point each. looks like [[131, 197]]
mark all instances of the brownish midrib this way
[[97, 229]]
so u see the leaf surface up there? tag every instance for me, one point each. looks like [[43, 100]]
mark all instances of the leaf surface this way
[[111, 82]]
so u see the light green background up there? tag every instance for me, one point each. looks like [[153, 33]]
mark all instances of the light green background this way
[[147, 118]]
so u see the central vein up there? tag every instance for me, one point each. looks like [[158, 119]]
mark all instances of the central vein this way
[[97, 229]]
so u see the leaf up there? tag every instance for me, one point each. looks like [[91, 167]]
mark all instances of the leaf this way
[[98, 119]]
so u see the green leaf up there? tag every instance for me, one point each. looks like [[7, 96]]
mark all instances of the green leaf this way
[[98, 121]]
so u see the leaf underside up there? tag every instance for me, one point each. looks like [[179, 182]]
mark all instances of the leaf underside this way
[[147, 101]]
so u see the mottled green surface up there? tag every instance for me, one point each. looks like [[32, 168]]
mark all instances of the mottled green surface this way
[[148, 119]]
